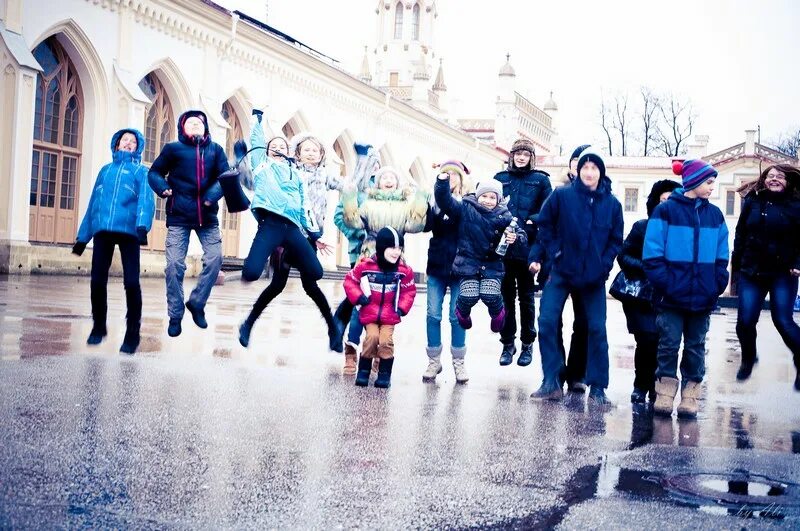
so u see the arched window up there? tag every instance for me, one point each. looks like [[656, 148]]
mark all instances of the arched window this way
[[415, 23], [159, 130], [229, 223], [398, 21], [58, 119]]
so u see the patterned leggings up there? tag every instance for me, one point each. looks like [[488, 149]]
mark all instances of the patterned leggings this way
[[485, 289]]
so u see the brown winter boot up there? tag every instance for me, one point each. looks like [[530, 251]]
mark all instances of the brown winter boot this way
[[666, 388], [350, 357], [690, 392]]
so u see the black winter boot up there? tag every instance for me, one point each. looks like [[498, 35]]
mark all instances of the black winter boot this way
[[364, 368], [526, 356], [384, 379], [133, 299], [99, 298], [244, 332], [746, 367], [507, 355]]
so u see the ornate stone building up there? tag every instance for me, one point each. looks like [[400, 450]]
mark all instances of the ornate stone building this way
[[75, 71]]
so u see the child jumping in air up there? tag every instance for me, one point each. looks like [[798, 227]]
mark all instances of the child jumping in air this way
[[383, 286], [482, 222]]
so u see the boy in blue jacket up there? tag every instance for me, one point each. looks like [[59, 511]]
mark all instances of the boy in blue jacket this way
[[686, 259], [120, 212], [580, 229]]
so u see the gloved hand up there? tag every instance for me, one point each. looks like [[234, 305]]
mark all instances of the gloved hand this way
[[400, 312], [78, 248], [361, 149], [258, 113], [141, 233], [362, 300]]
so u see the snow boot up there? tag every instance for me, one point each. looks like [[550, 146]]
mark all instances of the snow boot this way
[[690, 392], [666, 388], [434, 363]]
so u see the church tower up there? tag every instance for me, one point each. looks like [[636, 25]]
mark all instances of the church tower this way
[[404, 52]]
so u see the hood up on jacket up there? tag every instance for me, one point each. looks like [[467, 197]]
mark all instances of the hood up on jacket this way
[[136, 155], [182, 135], [665, 185]]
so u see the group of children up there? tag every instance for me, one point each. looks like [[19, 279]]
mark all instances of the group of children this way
[[486, 246]]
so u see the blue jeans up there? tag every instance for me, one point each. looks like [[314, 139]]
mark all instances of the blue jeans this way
[[554, 296], [354, 328], [436, 290], [782, 291], [177, 244], [672, 325]]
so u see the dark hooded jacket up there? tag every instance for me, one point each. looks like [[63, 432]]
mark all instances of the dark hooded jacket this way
[[526, 190], [479, 232], [766, 240], [630, 258], [190, 168], [581, 230]]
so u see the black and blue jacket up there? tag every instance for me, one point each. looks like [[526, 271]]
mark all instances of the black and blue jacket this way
[[581, 231], [685, 253], [190, 168], [479, 232]]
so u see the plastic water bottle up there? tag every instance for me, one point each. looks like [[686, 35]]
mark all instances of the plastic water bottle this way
[[502, 247]]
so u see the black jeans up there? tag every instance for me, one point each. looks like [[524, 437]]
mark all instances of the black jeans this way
[[103, 253], [518, 281], [575, 360], [280, 275], [782, 291], [275, 230]]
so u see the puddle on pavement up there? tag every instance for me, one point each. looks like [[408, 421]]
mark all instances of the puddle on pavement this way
[[738, 493]]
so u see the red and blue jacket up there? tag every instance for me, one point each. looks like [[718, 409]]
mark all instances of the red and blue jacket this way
[[391, 292], [686, 253]]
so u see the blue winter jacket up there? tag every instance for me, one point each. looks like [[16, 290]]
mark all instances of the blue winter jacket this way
[[121, 200], [686, 253], [278, 188], [581, 231]]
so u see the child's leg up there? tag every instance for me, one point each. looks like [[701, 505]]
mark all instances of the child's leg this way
[[693, 363], [371, 340], [130, 250], [386, 342], [468, 296], [386, 355], [670, 330], [102, 254], [491, 295]]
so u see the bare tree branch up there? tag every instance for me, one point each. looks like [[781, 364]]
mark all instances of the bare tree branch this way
[[620, 120], [677, 125], [649, 117], [787, 143], [606, 122]]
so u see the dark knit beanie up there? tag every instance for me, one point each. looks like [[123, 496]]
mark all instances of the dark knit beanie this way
[[578, 150], [589, 154], [387, 237], [693, 172]]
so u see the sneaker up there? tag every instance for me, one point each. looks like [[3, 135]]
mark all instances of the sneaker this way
[[526, 356], [464, 320], [434, 368], [96, 336], [461, 373], [497, 322], [507, 355], [198, 315], [548, 391], [244, 333], [597, 397], [174, 329]]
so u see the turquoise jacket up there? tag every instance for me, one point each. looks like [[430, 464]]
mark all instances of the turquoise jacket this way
[[277, 187], [121, 200]]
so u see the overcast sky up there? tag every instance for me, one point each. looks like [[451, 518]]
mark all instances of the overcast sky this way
[[737, 60]]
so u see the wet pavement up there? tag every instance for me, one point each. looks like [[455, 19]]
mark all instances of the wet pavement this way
[[198, 432]]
